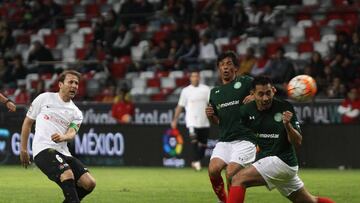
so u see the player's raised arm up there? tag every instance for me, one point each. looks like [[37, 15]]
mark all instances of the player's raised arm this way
[[25, 131], [294, 136]]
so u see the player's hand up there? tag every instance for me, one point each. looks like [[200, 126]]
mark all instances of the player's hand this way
[[11, 106], [24, 158], [57, 137], [209, 111], [173, 124], [248, 99], [286, 117]]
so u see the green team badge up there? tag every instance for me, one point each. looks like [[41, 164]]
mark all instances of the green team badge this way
[[278, 117], [237, 85]]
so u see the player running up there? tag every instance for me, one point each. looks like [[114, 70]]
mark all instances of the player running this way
[[57, 121], [235, 148], [278, 131]]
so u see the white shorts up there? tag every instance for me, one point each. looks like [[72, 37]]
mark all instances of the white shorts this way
[[241, 152], [277, 174]]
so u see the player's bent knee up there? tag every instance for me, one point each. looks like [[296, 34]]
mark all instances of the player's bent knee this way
[[91, 184], [67, 175]]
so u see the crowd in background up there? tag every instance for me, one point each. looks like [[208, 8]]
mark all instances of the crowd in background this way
[[176, 34]]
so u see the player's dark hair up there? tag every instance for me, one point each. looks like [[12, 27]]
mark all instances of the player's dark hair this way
[[69, 72], [229, 54], [261, 80]]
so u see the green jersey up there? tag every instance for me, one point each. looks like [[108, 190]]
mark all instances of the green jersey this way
[[226, 101], [269, 129]]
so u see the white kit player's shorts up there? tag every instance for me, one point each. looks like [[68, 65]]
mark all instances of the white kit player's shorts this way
[[241, 152], [277, 174]]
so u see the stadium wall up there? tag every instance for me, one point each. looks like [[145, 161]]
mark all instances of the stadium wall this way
[[148, 142]]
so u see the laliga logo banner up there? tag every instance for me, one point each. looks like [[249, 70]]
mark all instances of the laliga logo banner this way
[[173, 146], [4, 136]]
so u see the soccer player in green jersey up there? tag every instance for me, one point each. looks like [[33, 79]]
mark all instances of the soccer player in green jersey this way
[[235, 148], [274, 123]]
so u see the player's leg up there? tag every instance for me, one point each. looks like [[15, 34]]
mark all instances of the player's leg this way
[[195, 162], [202, 135], [218, 162], [53, 164], [85, 182], [243, 153], [303, 196], [247, 177]]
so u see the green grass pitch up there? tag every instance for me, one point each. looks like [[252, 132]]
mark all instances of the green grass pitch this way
[[161, 185]]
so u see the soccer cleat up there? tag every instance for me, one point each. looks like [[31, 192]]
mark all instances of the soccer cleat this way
[[196, 165]]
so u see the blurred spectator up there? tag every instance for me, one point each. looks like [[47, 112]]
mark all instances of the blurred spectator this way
[[261, 65], [39, 53], [108, 94], [354, 50], [22, 96], [54, 10], [281, 71], [316, 65], [123, 40], [350, 107], [240, 19], [207, 52], [222, 21], [342, 44], [135, 11], [180, 9], [247, 62], [268, 21], [336, 89], [40, 15], [255, 16], [123, 110], [40, 88], [7, 42], [186, 54], [16, 71]]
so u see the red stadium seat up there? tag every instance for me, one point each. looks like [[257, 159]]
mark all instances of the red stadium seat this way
[[182, 82], [92, 10], [160, 36], [88, 38], [80, 53], [305, 47], [84, 23], [158, 97], [272, 48], [153, 82], [68, 10], [161, 74], [118, 70], [50, 41], [312, 33], [351, 18], [125, 60], [344, 28]]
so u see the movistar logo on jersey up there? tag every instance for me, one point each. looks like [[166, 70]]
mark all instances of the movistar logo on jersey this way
[[224, 105], [237, 85], [274, 136]]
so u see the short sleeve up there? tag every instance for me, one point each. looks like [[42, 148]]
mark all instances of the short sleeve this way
[[182, 100], [35, 107], [294, 121]]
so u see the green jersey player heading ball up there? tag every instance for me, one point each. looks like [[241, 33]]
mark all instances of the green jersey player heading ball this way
[[277, 129]]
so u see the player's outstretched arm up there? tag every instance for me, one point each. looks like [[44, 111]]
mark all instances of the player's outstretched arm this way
[[25, 131], [294, 136]]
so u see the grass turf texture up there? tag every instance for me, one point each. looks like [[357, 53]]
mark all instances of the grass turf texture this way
[[161, 185]]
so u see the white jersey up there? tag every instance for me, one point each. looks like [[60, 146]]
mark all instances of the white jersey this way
[[52, 115], [195, 100]]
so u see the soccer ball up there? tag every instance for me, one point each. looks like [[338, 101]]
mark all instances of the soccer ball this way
[[302, 88]]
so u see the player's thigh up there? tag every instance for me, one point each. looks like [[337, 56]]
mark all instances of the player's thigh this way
[[216, 165], [248, 177], [302, 196], [221, 151], [242, 153], [232, 168], [51, 163], [202, 135], [77, 167]]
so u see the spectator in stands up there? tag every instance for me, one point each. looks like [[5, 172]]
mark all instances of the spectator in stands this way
[[336, 89], [123, 110], [39, 15], [3, 68], [354, 50], [207, 52], [135, 11], [190, 31], [247, 62], [222, 21], [39, 53], [350, 107], [180, 10], [268, 21], [16, 71], [342, 44], [55, 11], [123, 41], [7, 42], [187, 53], [281, 71], [240, 19], [22, 96], [108, 94], [261, 65], [316, 65], [255, 16]]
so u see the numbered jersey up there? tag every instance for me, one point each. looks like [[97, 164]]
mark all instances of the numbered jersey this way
[[270, 131], [226, 101]]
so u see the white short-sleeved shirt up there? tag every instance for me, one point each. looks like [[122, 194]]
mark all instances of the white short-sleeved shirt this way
[[195, 100], [52, 115]]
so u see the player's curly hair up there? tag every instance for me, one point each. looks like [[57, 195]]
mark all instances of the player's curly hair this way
[[229, 54]]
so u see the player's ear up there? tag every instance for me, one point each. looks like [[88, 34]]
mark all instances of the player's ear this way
[[274, 89], [252, 92]]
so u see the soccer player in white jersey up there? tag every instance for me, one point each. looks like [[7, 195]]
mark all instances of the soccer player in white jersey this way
[[8, 103], [194, 99], [57, 121]]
